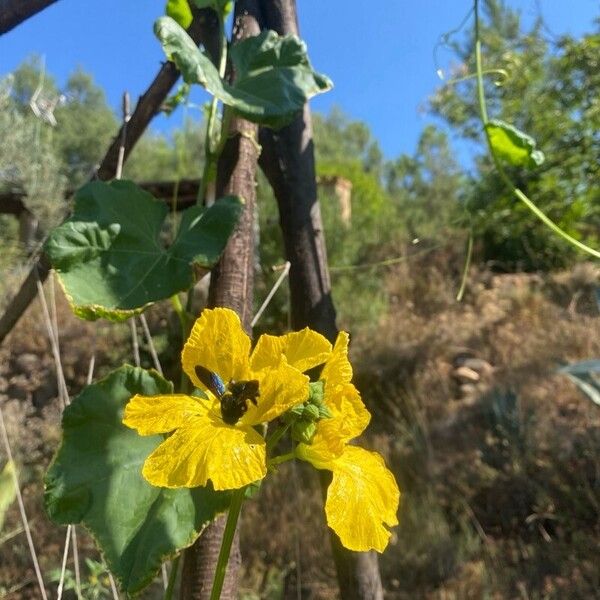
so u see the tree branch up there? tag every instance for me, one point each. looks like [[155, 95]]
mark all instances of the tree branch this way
[[202, 30], [14, 12]]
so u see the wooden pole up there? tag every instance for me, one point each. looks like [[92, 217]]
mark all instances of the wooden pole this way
[[288, 162], [232, 285]]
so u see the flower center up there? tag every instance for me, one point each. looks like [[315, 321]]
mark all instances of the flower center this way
[[234, 402]]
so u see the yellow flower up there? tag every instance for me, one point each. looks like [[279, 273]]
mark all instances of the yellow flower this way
[[363, 495], [215, 439]]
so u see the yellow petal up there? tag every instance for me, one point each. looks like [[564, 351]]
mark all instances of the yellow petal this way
[[206, 448], [338, 369], [362, 499], [160, 414], [303, 350], [217, 343], [349, 416], [280, 389]]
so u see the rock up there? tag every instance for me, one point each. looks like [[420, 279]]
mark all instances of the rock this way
[[465, 374], [479, 365], [26, 363], [468, 390]]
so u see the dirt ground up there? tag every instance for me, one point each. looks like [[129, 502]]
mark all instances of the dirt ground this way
[[497, 455]]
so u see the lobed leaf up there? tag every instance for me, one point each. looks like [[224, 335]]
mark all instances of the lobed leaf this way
[[273, 76], [513, 146], [96, 479], [109, 257]]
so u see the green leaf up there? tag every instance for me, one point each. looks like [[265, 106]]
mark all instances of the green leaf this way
[[180, 11], [273, 76], [96, 479], [513, 146], [8, 493], [586, 376], [110, 260], [222, 6]]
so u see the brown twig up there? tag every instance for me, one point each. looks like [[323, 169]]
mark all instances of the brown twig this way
[[14, 12]]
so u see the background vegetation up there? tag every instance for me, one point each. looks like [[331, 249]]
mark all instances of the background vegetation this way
[[499, 471]]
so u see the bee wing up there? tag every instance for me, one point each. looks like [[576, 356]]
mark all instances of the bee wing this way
[[211, 380]]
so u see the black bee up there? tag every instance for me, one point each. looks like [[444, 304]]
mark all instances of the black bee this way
[[234, 397]]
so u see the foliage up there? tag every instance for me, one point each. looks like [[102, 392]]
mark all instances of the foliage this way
[[97, 472], [29, 161], [273, 77], [586, 376], [111, 262], [551, 93]]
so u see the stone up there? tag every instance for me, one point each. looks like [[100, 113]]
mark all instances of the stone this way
[[465, 374], [26, 363]]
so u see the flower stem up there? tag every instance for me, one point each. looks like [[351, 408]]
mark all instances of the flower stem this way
[[281, 459], [237, 499], [275, 437]]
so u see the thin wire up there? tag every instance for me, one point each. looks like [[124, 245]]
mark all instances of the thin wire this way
[[62, 386], [76, 562], [52, 328], [150, 344], [63, 568], [34, 558], [134, 342], [284, 274], [384, 263]]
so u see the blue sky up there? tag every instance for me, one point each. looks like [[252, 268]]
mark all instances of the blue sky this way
[[380, 59]]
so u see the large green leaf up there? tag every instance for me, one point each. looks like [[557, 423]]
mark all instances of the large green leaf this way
[[96, 479], [180, 11], [586, 376], [513, 146], [273, 76], [109, 256]]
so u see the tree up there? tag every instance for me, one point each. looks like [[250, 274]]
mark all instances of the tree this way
[[548, 91]]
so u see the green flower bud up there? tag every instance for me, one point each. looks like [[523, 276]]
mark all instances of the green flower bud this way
[[303, 431], [310, 413]]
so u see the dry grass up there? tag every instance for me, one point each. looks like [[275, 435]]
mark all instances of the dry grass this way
[[501, 490]]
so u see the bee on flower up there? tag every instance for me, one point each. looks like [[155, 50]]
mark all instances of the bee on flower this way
[[217, 437]]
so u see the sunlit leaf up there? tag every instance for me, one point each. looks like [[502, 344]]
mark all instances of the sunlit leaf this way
[[222, 6], [513, 146], [180, 11], [110, 259], [96, 479], [273, 76], [586, 376]]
